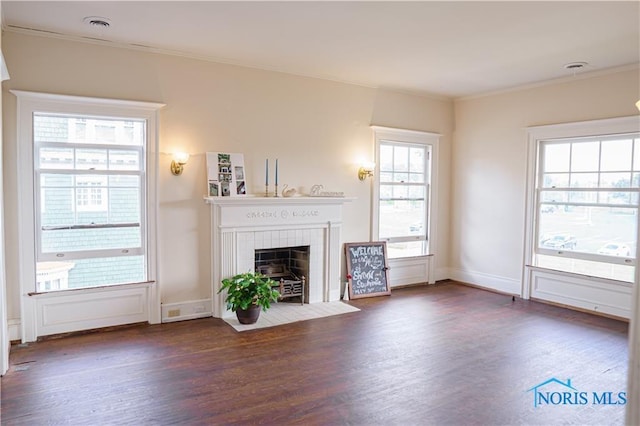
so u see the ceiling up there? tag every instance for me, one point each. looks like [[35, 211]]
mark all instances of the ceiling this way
[[450, 49]]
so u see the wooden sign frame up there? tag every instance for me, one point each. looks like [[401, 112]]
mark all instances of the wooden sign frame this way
[[367, 269]]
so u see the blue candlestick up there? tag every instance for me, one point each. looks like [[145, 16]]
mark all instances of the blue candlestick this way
[[266, 169]]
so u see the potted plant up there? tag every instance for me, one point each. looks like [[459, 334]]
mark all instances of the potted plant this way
[[248, 293]]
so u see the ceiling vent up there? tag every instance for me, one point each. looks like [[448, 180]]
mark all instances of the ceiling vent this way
[[575, 66], [97, 22]]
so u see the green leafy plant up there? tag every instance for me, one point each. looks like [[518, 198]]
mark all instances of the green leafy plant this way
[[244, 290]]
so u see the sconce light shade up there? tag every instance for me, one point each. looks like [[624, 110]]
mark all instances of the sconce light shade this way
[[366, 170], [638, 105], [178, 162]]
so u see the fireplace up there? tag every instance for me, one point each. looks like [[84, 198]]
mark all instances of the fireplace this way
[[289, 267], [241, 226]]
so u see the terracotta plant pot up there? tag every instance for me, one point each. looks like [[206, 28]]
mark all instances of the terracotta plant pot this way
[[248, 316]]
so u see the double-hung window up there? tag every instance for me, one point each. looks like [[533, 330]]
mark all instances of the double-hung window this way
[[86, 193], [89, 174], [586, 199], [403, 191]]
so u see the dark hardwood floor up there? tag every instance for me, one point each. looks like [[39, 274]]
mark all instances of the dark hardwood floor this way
[[436, 355]]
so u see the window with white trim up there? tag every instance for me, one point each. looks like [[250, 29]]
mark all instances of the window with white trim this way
[[89, 174], [586, 199], [403, 191]]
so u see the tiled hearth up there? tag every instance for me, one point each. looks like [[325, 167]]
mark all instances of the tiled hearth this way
[[242, 225]]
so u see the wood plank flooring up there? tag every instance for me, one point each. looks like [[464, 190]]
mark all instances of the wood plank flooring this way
[[430, 355]]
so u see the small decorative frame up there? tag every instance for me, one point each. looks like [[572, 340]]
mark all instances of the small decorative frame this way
[[226, 175]]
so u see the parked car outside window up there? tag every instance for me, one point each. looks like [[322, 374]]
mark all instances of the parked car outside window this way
[[559, 241], [615, 249]]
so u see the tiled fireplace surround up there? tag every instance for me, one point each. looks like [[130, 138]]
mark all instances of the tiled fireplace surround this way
[[241, 225]]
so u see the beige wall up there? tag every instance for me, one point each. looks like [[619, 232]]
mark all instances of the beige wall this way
[[318, 129], [489, 164]]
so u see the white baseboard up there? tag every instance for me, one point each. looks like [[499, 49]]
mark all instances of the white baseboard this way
[[182, 311], [442, 274], [14, 330], [488, 281]]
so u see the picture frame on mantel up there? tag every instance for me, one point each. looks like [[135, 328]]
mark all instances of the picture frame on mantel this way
[[226, 175]]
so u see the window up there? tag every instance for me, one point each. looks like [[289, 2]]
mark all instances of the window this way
[[586, 205], [86, 193], [89, 176], [403, 191]]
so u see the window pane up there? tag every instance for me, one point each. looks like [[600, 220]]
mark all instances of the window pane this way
[[417, 192], [556, 157], [587, 267], [555, 180], [386, 192], [416, 178], [636, 155], [554, 196], [588, 229], [416, 160], [76, 129], [615, 180], [386, 158], [87, 159], [70, 240], [386, 177], [583, 197], [124, 160], [584, 180], [89, 272], [400, 191], [406, 249], [55, 158], [401, 177], [124, 205], [398, 218], [401, 159], [56, 206], [616, 155], [584, 156], [615, 198], [94, 199]]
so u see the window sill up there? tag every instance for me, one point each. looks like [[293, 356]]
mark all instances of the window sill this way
[[144, 284]]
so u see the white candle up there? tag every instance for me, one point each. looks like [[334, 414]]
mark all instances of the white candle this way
[[276, 171]]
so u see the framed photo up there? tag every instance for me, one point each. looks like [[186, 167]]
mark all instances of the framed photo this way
[[226, 175]]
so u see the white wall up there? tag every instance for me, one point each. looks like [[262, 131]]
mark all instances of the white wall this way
[[318, 129], [4, 329], [489, 167]]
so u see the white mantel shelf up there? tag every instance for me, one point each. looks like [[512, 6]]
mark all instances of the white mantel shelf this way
[[265, 201], [241, 225]]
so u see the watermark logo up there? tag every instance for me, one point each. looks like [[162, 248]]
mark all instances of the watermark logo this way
[[556, 392]]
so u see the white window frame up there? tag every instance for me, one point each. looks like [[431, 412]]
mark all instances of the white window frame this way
[[536, 136], [33, 305], [431, 143]]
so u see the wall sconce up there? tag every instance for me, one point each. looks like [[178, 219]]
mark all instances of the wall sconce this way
[[178, 162], [366, 170]]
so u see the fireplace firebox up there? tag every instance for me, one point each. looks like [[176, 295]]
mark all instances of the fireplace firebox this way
[[289, 267]]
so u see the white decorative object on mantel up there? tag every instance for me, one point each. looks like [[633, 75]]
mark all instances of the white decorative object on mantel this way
[[241, 225], [316, 191]]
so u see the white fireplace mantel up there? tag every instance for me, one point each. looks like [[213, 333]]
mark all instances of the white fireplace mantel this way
[[241, 225]]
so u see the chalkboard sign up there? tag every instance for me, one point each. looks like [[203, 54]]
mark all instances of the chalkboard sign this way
[[367, 269]]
